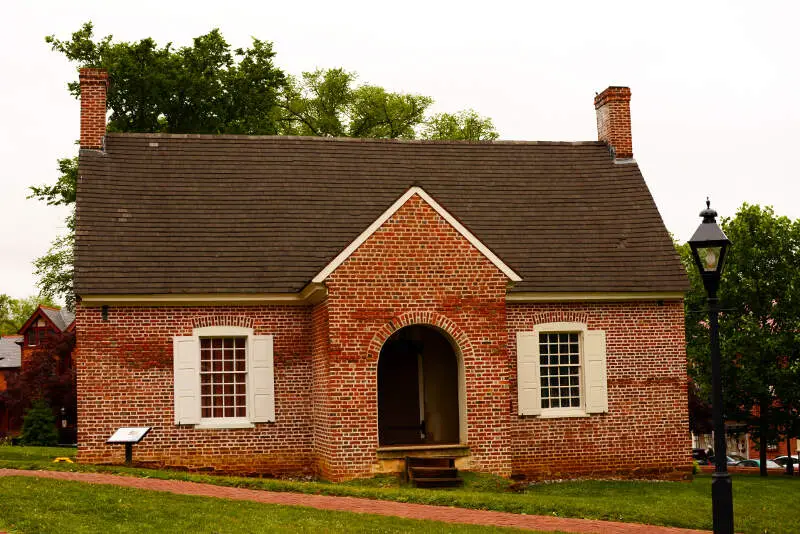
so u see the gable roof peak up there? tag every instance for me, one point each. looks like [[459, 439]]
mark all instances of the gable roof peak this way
[[411, 192]]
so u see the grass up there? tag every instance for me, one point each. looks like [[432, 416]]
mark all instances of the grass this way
[[759, 504], [40, 506]]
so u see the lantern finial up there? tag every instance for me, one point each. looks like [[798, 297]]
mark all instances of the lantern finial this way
[[708, 215]]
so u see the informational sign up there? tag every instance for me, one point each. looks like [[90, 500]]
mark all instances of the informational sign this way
[[132, 434]]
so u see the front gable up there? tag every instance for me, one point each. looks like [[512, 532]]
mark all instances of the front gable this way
[[38, 319], [419, 193]]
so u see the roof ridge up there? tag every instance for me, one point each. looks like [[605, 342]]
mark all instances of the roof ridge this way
[[313, 138]]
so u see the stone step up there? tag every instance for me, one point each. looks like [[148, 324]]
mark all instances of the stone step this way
[[447, 482], [433, 472]]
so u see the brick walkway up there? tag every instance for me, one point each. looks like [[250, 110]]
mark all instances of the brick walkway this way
[[359, 505]]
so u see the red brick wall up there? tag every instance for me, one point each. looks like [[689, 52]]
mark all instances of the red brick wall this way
[[125, 378], [772, 452], [416, 268], [94, 84], [645, 429], [614, 120]]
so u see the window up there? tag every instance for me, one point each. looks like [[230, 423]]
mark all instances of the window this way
[[561, 371], [36, 335], [223, 378]]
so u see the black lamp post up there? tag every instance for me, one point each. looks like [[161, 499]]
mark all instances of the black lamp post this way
[[709, 246]]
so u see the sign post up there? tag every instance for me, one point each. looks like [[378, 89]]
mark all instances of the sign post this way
[[129, 436]]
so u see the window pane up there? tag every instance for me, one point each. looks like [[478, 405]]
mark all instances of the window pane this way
[[559, 369], [223, 362]]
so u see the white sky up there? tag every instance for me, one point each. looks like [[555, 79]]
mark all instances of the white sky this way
[[715, 85]]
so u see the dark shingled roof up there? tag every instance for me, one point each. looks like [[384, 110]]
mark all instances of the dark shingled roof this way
[[234, 214], [10, 352], [62, 318]]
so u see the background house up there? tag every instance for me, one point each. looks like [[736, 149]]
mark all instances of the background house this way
[[42, 337], [10, 361]]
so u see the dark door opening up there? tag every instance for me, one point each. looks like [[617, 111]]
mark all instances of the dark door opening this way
[[418, 389]]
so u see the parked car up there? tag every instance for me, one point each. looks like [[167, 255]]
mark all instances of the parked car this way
[[734, 459], [783, 460], [700, 456], [756, 463]]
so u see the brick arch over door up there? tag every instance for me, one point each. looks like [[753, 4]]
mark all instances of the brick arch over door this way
[[462, 347], [458, 338]]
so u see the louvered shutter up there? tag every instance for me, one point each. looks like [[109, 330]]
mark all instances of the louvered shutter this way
[[528, 387], [596, 374], [261, 381], [186, 363]]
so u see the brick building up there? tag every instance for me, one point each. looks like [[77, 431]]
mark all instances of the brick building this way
[[330, 306], [10, 364], [15, 353]]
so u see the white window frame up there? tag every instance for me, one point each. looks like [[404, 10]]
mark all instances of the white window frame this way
[[189, 365], [529, 398], [567, 328]]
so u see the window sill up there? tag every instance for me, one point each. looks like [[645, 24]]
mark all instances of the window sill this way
[[221, 425], [558, 414]]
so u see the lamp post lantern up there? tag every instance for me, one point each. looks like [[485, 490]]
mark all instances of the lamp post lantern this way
[[710, 246]]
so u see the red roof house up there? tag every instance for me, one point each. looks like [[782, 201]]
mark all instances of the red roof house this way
[[332, 306], [16, 351]]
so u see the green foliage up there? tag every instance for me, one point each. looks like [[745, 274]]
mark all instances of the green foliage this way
[[14, 312], [202, 88], [326, 102], [65, 188], [54, 270], [759, 323], [464, 125], [39, 425]]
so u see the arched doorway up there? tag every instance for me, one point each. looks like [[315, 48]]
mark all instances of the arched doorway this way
[[418, 388]]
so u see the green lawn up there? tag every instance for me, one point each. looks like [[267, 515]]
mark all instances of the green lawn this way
[[760, 504], [31, 506]]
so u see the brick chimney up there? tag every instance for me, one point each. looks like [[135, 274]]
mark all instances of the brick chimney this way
[[613, 108], [94, 84]]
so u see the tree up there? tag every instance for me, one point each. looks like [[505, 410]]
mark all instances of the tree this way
[[48, 375], [759, 324], [54, 269], [14, 312], [327, 103], [39, 425], [464, 125], [209, 88], [203, 88]]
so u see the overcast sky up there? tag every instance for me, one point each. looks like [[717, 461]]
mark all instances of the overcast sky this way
[[715, 85]]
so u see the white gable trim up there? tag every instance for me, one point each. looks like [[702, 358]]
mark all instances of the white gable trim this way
[[460, 228]]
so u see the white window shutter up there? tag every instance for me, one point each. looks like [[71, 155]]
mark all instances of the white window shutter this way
[[186, 363], [596, 374], [528, 386], [261, 375]]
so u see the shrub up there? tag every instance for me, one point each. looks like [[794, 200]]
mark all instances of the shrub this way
[[695, 467], [39, 425]]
